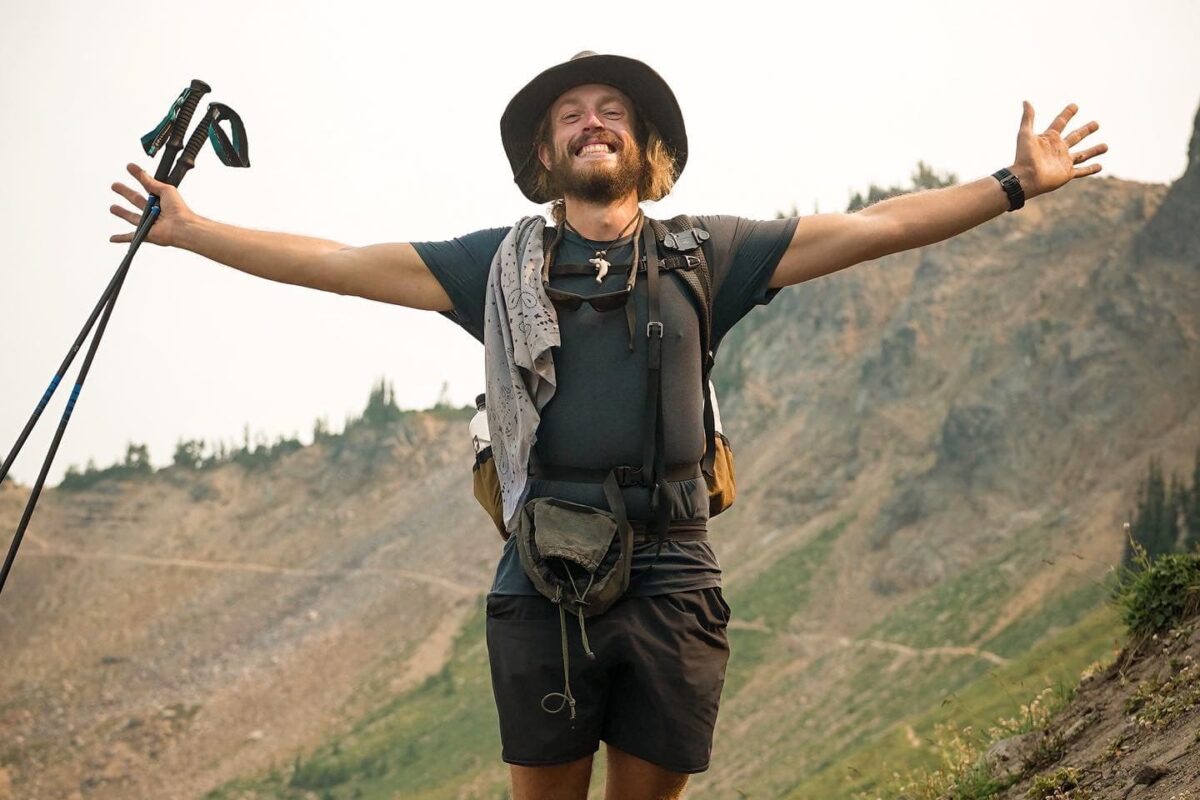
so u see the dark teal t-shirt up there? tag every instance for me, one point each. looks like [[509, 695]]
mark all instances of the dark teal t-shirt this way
[[595, 417]]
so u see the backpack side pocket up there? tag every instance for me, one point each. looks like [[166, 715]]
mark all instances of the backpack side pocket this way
[[485, 483]]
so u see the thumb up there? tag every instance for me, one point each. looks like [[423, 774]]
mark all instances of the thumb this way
[[146, 180], [1026, 116]]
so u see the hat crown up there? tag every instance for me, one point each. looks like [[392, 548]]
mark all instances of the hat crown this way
[[584, 54]]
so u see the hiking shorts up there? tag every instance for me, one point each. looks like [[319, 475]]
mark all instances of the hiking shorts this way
[[652, 689]]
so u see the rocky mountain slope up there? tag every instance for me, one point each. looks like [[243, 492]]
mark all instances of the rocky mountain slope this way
[[1130, 732], [935, 454]]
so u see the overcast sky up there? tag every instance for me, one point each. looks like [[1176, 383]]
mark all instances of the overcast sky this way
[[373, 122]]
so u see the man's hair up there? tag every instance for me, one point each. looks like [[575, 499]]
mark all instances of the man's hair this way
[[658, 164]]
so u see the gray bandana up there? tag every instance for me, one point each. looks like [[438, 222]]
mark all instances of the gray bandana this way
[[520, 326]]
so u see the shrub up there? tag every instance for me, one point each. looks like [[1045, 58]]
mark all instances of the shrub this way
[[1154, 596]]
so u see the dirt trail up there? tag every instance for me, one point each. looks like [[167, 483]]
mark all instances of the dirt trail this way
[[880, 644], [51, 550]]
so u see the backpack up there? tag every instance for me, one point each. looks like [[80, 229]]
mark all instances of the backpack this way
[[678, 248]]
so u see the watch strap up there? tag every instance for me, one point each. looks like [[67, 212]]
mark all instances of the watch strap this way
[[1011, 186]]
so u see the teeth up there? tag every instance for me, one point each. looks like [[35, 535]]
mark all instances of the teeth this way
[[594, 148]]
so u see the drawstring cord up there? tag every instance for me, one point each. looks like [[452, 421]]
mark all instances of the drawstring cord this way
[[568, 699]]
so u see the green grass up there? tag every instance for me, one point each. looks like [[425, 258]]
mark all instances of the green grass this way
[[999, 693], [1057, 611], [771, 598], [953, 612], [775, 595], [748, 650], [425, 744]]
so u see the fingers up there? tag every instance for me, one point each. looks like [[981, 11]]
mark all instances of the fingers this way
[[1084, 155], [1077, 135], [1026, 116], [1062, 119], [1081, 172], [137, 200], [146, 180], [125, 214]]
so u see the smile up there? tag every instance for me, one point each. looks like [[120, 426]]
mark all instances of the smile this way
[[594, 149]]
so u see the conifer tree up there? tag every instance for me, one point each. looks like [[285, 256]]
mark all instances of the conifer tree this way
[[381, 405], [1191, 509], [1147, 528], [1172, 509]]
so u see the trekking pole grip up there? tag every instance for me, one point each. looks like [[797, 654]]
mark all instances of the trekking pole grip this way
[[195, 143], [197, 90]]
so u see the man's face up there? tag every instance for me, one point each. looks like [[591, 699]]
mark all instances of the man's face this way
[[593, 154]]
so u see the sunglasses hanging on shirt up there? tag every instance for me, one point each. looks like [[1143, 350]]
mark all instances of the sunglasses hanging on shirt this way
[[605, 301]]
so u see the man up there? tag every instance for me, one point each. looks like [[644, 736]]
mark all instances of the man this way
[[596, 136]]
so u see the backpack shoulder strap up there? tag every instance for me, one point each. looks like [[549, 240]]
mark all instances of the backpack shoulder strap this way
[[677, 234]]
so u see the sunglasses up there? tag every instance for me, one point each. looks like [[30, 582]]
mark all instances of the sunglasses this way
[[608, 301]]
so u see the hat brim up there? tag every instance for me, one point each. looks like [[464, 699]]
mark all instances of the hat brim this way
[[649, 92]]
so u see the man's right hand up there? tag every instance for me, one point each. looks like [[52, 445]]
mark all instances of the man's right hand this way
[[174, 213]]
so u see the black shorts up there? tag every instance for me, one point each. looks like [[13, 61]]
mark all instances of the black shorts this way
[[652, 690]]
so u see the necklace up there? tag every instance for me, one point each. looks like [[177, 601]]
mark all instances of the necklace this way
[[600, 260]]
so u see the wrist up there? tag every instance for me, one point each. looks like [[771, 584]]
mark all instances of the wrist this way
[[1025, 176], [189, 233]]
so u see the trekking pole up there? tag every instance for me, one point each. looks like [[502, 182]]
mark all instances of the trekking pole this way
[[177, 118], [233, 153]]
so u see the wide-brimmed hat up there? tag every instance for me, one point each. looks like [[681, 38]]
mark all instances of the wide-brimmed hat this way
[[651, 95]]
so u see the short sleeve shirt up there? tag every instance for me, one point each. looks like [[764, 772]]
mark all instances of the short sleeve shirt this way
[[594, 421]]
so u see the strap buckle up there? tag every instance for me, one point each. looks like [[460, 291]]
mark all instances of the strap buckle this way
[[654, 326], [628, 476], [685, 240]]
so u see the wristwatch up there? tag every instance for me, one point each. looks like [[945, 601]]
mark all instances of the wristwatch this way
[[1011, 187]]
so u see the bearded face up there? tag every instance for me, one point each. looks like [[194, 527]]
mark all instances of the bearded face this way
[[586, 167], [591, 152]]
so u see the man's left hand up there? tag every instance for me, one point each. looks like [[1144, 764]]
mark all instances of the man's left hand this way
[[1044, 160]]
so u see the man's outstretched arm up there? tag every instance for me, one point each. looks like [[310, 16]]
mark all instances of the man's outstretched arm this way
[[825, 243], [392, 273]]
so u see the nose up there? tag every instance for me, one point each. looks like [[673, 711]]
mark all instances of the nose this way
[[592, 121]]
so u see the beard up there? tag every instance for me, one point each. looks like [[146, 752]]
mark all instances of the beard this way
[[597, 183]]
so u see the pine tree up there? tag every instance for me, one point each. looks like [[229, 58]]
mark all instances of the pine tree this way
[[1191, 509], [381, 405], [137, 458], [189, 454], [1172, 510], [1150, 513]]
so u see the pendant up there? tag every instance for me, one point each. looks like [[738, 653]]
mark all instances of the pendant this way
[[600, 264]]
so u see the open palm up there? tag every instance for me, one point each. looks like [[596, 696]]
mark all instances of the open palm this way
[[1044, 160]]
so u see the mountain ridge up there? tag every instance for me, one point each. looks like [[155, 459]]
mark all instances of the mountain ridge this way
[[935, 452]]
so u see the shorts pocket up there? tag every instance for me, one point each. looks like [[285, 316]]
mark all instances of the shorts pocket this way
[[518, 606], [720, 595], [706, 606]]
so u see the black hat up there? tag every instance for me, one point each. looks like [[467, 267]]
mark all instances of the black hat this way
[[654, 100]]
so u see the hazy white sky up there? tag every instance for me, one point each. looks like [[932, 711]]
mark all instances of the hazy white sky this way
[[373, 122]]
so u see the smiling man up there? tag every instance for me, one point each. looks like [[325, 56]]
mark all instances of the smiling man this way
[[602, 422]]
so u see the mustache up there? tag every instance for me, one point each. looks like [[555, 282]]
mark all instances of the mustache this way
[[601, 137]]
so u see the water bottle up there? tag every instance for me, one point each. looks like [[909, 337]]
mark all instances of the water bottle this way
[[480, 437], [712, 395]]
